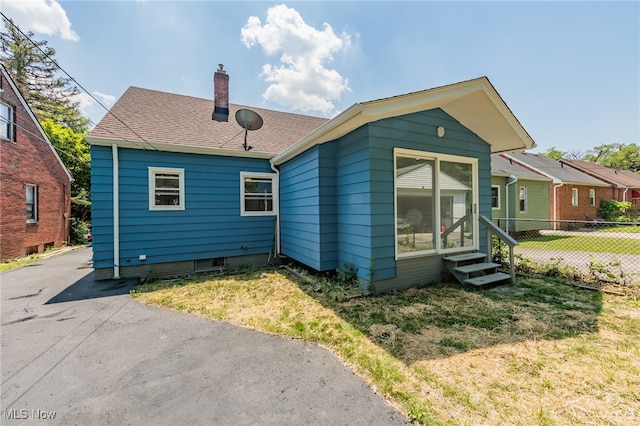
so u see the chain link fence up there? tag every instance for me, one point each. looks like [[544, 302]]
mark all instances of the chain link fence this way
[[588, 251]]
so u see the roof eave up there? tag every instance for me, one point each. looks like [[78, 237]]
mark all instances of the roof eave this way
[[474, 103], [155, 146]]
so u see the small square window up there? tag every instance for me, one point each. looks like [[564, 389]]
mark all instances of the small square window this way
[[495, 197], [166, 189], [257, 197], [32, 203], [6, 122]]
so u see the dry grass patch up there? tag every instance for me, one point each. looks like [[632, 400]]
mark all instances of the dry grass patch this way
[[535, 353]]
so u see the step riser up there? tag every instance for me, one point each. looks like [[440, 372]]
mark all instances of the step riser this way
[[473, 269]]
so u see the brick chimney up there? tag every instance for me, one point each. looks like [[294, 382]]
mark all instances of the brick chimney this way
[[220, 95]]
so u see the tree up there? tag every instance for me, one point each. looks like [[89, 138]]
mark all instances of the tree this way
[[34, 71], [616, 155], [554, 153], [74, 152], [33, 68]]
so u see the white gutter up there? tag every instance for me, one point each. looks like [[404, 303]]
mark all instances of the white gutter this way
[[624, 194], [513, 179], [555, 203], [116, 213], [276, 206]]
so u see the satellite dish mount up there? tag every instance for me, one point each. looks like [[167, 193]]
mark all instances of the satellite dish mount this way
[[249, 120]]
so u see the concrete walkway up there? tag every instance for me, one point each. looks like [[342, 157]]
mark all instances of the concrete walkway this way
[[79, 352]]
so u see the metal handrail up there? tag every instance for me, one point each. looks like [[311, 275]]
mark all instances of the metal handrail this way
[[492, 228]]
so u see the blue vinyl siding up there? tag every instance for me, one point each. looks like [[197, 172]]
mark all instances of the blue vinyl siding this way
[[209, 227], [363, 200], [307, 208]]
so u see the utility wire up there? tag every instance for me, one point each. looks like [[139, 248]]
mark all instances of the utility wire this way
[[77, 83]]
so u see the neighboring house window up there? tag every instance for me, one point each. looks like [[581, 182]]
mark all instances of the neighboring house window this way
[[574, 196], [435, 202], [166, 188], [6, 122], [257, 194], [523, 199], [495, 197], [32, 203], [592, 197]]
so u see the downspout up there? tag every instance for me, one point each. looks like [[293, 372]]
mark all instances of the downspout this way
[[512, 179], [116, 213], [555, 204], [276, 207], [624, 194]]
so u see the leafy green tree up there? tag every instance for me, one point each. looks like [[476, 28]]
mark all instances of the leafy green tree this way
[[74, 152], [555, 153], [616, 155], [33, 68]]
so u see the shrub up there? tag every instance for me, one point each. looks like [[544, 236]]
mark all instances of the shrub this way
[[79, 231]]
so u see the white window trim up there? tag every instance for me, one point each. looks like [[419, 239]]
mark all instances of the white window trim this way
[[499, 203], [574, 201], [398, 152], [526, 200], [152, 188], [592, 197], [35, 202], [274, 192], [10, 122]]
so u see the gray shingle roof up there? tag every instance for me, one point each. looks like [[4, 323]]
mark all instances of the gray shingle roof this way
[[170, 119], [555, 169], [503, 167]]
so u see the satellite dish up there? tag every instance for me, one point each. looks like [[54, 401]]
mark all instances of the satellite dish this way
[[249, 120]]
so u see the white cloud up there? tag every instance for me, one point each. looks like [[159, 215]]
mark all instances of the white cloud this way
[[90, 108], [40, 16], [301, 80]]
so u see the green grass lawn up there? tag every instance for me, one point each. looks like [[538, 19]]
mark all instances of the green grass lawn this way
[[624, 229], [538, 352], [583, 243]]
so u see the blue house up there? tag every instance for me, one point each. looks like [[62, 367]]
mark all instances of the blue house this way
[[387, 187]]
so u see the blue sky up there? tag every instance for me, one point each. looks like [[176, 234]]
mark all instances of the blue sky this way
[[570, 71]]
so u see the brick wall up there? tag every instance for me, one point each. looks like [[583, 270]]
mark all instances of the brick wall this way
[[30, 161], [583, 211]]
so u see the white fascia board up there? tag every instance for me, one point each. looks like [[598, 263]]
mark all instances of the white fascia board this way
[[154, 146], [338, 126], [467, 102]]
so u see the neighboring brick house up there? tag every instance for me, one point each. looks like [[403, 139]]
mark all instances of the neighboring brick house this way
[[35, 186], [624, 185], [574, 195]]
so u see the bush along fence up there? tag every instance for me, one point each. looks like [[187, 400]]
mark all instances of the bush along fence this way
[[594, 251]]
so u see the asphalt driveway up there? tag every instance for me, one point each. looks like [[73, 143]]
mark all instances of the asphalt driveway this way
[[76, 351]]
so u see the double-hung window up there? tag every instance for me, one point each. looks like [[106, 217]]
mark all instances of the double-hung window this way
[[166, 188], [7, 130], [32, 203], [495, 197], [574, 196], [257, 196], [592, 197], [523, 199]]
